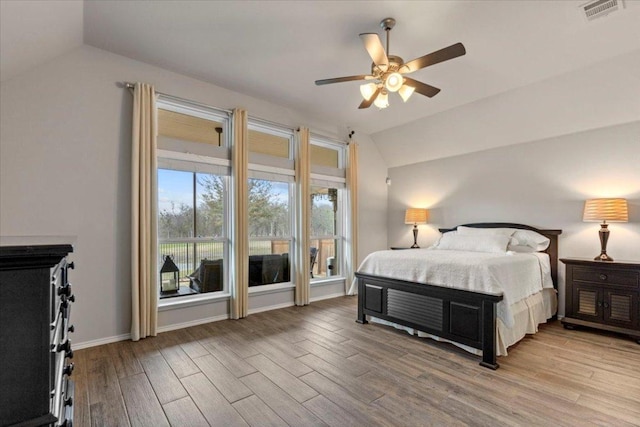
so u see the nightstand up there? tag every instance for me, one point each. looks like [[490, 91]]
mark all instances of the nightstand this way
[[603, 295]]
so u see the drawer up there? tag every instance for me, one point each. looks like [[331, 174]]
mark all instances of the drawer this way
[[606, 276]]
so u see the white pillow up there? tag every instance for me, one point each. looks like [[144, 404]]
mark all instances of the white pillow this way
[[521, 249], [470, 231], [485, 231], [532, 239], [489, 243]]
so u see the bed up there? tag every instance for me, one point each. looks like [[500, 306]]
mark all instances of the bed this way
[[456, 312]]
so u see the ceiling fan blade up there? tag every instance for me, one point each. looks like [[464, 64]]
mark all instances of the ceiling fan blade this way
[[376, 51], [436, 57], [343, 79], [422, 88], [367, 102]]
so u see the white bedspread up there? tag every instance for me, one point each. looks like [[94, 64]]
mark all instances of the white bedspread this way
[[513, 275]]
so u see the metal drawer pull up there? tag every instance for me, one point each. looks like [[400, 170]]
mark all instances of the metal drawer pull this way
[[603, 276], [606, 305]]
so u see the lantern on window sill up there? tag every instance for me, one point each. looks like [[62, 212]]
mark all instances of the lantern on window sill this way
[[169, 276]]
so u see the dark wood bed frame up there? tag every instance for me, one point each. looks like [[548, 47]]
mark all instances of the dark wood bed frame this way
[[458, 315]]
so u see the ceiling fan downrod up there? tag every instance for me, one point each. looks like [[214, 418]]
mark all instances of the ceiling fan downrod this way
[[387, 25]]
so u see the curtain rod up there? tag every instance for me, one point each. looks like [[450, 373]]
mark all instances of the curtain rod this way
[[130, 86]]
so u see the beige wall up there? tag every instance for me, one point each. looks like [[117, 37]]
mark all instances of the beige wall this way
[[65, 170], [542, 183]]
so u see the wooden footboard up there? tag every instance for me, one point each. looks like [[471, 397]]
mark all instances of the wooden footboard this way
[[465, 317]]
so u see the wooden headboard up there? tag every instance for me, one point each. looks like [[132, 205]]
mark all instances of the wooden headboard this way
[[552, 235]]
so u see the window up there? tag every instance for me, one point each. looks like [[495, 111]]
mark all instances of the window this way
[[271, 203], [193, 180], [191, 229], [327, 212]]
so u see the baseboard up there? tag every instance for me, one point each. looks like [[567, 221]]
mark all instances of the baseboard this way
[[329, 296], [271, 307], [173, 327], [196, 322], [100, 341]]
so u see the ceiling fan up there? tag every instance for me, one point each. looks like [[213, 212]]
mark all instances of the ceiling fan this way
[[388, 71]]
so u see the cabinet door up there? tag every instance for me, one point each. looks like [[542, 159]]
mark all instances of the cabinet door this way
[[587, 302], [620, 307]]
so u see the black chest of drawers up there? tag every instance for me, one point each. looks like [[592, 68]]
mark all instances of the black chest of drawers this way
[[603, 295], [35, 310]]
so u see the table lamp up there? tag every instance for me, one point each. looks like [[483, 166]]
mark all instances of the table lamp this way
[[415, 216], [612, 210]]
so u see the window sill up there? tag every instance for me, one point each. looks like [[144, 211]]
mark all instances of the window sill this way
[[191, 300]]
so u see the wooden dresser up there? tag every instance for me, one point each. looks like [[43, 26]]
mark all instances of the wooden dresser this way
[[603, 294], [35, 309]]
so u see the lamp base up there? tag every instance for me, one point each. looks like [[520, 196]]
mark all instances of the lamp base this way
[[603, 257], [415, 237], [604, 236]]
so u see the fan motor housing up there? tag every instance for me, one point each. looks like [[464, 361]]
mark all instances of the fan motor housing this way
[[395, 63]]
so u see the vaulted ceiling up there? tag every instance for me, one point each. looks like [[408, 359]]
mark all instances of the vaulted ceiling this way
[[275, 50]]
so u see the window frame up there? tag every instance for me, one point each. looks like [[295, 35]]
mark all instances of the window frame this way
[[219, 158], [322, 179], [272, 169]]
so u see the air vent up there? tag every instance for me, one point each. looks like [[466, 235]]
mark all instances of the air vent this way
[[599, 8]]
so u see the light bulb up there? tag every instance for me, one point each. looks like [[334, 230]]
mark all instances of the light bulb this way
[[382, 101], [393, 82], [405, 92], [367, 90]]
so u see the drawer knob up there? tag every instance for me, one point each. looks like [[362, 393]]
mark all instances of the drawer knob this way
[[64, 290], [603, 276], [68, 401], [71, 329], [65, 346], [72, 265], [68, 370]]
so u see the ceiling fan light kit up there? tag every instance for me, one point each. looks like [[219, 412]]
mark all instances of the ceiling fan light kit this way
[[387, 71], [393, 82]]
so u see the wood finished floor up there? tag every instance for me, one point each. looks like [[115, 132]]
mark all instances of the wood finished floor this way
[[314, 366]]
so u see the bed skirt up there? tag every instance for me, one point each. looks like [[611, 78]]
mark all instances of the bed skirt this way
[[528, 314]]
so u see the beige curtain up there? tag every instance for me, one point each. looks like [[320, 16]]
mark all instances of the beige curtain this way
[[303, 259], [144, 223], [352, 223], [240, 244]]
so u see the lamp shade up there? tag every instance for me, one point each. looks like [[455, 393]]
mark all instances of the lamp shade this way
[[382, 101], [416, 216], [405, 92], [367, 90], [613, 210]]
